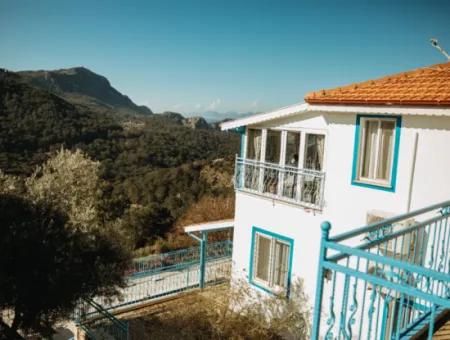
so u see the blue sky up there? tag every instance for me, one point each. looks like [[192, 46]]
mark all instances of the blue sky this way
[[194, 56]]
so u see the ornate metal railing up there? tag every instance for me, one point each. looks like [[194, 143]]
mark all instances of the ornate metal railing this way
[[300, 186], [179, 258], [387, 280]]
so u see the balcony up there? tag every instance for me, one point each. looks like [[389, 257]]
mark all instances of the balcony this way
[[303, 187], [387, 280]]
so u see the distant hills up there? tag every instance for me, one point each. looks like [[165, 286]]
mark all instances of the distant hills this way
[[84, 88], [81, 86], [214, 116], [34, 121], [196, 122]]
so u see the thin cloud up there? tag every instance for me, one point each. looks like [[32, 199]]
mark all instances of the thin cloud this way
[[214, 105]]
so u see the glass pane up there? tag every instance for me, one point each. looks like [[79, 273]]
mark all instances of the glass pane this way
[[262, 258], [385, 150], [314, 152], [292, 148], [254, 144], [368, 148], [273, 146], [281, 264]]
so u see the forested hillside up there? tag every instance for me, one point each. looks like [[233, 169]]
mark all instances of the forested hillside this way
[[153, 169]]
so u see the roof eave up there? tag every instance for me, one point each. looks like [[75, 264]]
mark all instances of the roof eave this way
[[413, 103], [266, 116]]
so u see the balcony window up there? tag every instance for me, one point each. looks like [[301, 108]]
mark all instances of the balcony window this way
[[254, 144], [290, 167], [375, 160], [271, 260], [273, 151], [273, 146], [290, 182], [313, 160], [292, 148], [314, 151]]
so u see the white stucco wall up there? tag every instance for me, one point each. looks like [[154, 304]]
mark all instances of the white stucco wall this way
[[346, 205]]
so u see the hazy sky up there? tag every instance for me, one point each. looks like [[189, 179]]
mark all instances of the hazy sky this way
[[223, 55]]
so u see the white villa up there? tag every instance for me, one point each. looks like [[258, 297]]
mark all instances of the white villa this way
[[350, 155], [350, 192]]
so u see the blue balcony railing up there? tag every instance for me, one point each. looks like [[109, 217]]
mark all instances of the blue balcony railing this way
[[387, 280], [295, 185]]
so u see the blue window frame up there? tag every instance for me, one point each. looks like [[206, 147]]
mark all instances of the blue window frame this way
[[375, 153], [271, 257]]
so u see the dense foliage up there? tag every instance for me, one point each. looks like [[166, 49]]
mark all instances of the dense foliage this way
[[152, 169], [47, 266]]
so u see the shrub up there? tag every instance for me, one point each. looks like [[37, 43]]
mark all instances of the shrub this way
[[236, 312]]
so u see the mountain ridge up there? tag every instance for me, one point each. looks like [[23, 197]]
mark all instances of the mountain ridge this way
[[81, 86]]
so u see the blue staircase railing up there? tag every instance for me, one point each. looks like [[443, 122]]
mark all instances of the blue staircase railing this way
[[387, 280], [98, 323]]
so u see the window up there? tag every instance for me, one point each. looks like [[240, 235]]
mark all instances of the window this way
[[376, 147], [272, 155], [287, 165], [313, 160], [290, 180], [273, 146], [254, 144], [292, 148], [271, 261], [314, 151]]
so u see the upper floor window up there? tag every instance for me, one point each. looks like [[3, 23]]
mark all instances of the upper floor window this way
[[292, 148], [314, 151], [273, 146], [254, 139], [287, 160], [376, 151]]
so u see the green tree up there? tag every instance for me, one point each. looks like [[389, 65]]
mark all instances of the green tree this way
[[47, 266], [70, 181]]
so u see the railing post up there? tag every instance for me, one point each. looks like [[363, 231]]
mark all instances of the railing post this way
[[325, 226], [203, 244]]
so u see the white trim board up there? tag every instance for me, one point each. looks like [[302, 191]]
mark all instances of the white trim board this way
[[305, 107], [210, 226]]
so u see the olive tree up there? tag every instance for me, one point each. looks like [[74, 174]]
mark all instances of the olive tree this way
[[70, 181], [47, 266]]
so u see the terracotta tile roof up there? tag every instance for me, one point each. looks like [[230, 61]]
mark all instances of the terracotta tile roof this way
[[424, 86]]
